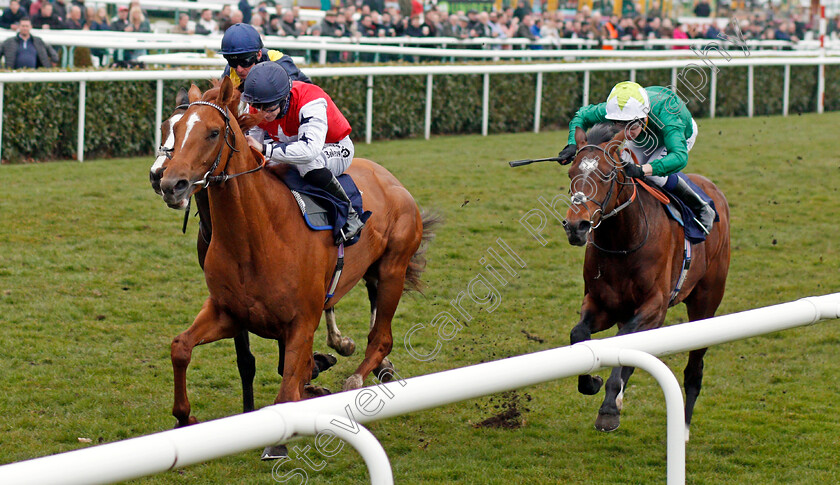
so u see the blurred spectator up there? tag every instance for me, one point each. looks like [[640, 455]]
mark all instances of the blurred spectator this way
[[121, 22], [430, 23], [416, 28], [82, 7], [523, 8], [290, 25], [375, 5], [99, 21], [329, 26], [482, 28], [24, 51], [223, 18], [245, 8], [524, 30], [12, 15], [137, 21], [236, 17], [74, 19], [47, 19], [257, 23], [35, 8], [702, 9], [184, 25], [206, 24], [495, 29], [60, 9], [549, 31]]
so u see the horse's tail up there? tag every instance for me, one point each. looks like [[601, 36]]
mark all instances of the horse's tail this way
[[418, 261]]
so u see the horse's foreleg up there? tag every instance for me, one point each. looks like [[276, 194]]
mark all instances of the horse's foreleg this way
[[343, 345], [590, 320], [298, 359], [210, 325], [247, 368], [650, 315], [388, 291]]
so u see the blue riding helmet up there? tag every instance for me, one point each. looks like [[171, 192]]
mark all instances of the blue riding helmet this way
[[268, 84], [240, 39]]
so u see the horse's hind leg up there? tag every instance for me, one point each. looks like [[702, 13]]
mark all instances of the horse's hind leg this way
[[389, 288], [591, 320], [247, 368], [343, 345], [210, 325]]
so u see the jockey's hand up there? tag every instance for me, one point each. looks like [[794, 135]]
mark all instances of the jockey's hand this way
[[634, 171], [567, 155], [254, 143]]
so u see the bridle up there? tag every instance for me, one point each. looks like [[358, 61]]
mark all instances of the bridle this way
[[579, 198], [210, 179]]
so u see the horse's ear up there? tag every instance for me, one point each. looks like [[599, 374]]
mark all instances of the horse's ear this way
[[580, 137], [182, 97], [225, 91], [247, 121], [194, 94]]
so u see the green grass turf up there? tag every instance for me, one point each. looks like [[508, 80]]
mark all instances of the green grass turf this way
[[96, 279]]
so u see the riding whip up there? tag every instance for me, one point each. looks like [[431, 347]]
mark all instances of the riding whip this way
[[519, 163]]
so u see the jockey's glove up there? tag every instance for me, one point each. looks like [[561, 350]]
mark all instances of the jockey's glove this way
[[634, 171], [567, 154]]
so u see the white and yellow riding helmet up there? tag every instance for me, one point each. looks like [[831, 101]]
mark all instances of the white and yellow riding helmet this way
[[627, 101]]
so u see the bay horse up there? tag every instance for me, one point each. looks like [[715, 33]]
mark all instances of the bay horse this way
[[266, 272], [634, 258], [246, 363]]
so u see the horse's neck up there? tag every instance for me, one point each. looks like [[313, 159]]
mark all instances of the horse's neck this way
[[628, 228], [239, 206]]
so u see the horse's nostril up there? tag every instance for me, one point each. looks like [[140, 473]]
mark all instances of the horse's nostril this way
[[584, 225], [181, 185]]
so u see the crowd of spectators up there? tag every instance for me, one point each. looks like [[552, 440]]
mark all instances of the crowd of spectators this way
[[380, 18]]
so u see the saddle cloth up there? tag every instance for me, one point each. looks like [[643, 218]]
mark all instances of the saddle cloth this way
[[321, 210], [682, 213]]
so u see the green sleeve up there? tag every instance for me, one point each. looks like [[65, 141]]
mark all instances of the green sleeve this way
[[677, 157], [586, 118]]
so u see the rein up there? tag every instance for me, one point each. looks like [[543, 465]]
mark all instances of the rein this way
[[579, 199]]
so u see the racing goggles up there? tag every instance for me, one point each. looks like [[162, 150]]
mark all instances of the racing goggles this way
[[281, 104], [242, 60]]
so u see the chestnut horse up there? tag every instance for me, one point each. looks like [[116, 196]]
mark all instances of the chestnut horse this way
[[266, 272], [245, 361], [634, 258]]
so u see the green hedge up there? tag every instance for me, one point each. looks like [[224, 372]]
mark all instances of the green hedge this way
[[39, 119]]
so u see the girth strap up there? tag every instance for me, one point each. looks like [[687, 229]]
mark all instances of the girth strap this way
[[686, 265], [339, 266]]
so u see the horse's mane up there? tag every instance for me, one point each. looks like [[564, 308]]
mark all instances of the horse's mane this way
[[246, 120], [601, 133]]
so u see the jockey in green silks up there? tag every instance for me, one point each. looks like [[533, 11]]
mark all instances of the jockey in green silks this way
[[660, 132]]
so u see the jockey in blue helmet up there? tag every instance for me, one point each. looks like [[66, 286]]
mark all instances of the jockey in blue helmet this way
[[243, 48], [303, 127]]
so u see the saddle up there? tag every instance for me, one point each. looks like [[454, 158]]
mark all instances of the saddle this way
[[320, 209], [680, 212]]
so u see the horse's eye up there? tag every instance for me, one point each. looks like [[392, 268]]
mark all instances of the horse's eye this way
[[213, 134]]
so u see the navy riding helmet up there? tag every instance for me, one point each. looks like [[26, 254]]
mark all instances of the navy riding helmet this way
[[240, 39], [266, 86]]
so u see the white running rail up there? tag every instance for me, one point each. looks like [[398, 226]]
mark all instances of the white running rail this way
[[343, 414]]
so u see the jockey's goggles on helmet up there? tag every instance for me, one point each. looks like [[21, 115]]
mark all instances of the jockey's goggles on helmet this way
[[281, 104], [242, 60]]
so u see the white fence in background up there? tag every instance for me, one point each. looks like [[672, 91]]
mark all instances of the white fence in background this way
[[371, 72], [334, 414]]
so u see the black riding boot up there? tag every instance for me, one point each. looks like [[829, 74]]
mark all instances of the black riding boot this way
[[705, 215], [324, 179]]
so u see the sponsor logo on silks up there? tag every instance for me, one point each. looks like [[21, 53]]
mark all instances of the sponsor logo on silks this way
[[345, 152], [332, 152]]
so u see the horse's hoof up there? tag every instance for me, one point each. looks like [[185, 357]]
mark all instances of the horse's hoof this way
[[274, 452], [353, 382], [607, 422], [385, 371], [324, 361], [347, 347], [589, 385], [310, 391], [190, 421]]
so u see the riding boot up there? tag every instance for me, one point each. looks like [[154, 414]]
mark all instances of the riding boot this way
[[329, 183], [705, 215]]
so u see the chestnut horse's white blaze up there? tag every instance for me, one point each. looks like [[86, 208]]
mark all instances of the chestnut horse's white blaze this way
[[167, 144], [191, 122]]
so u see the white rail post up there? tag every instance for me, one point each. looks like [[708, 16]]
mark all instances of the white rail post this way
[[369, 110], [632, 75], [713, 94], [786, 92], [427, 126], [364, 442], [821, 68], [750, 90], [2, 106], [485, 105], [674, 78], [585, 100], [80, 145], [538, 102], [609, 356], [158, 110]]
